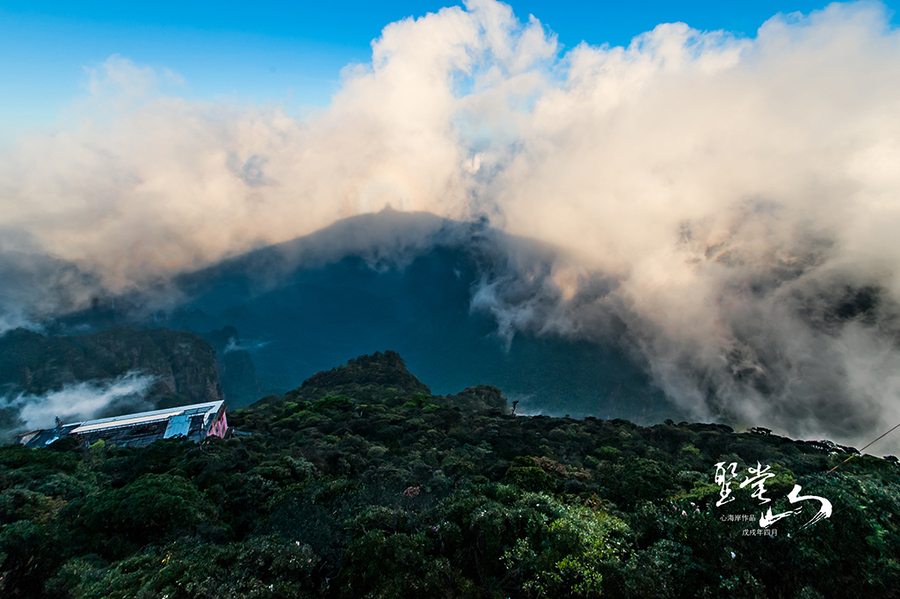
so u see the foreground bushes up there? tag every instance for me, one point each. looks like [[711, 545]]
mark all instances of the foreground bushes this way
[[397, 496]]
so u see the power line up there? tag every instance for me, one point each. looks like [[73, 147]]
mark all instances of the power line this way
[[863, 449]]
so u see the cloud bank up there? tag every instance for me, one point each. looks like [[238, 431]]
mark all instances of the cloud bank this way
[[725, 207]]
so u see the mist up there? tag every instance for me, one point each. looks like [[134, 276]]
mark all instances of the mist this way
[[723, 207], [78, 401]]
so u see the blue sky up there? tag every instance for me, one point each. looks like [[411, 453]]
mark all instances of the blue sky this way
[[285, 52]]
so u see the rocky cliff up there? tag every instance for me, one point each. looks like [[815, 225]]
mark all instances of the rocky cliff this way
[[183, 365]]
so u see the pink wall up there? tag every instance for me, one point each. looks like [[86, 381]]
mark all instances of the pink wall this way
[[219, 426]]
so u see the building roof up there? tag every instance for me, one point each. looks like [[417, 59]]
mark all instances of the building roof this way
[[136, 430]]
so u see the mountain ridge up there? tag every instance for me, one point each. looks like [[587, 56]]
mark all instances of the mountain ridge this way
[[409, 282]]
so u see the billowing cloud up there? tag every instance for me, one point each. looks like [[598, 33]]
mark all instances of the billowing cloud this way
[[726, 207]]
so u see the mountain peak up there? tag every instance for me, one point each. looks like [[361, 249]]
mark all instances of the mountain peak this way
[[378, 375]]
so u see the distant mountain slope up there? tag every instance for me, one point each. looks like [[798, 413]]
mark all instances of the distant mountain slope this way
[[403, 281], [406, 281], [237, 372]]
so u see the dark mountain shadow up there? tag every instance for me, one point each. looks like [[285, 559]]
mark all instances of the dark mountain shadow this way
[[403, 282]]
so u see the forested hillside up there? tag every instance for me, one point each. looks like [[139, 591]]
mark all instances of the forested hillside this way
[[360, 483]]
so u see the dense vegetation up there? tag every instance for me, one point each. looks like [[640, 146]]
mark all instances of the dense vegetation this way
[[362, 484]]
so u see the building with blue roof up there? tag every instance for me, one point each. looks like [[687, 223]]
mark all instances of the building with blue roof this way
[[194, 422]]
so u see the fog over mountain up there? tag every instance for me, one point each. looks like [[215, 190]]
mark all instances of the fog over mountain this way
[[417, 284], [720, 210]]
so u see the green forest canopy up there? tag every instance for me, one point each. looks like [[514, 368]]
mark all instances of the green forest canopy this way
[[360, 483]]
